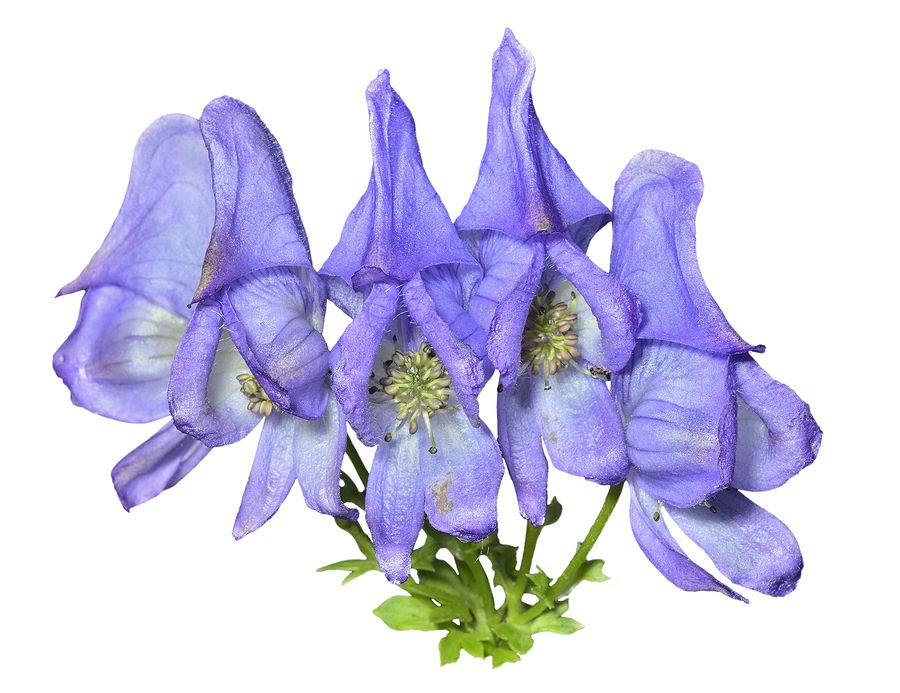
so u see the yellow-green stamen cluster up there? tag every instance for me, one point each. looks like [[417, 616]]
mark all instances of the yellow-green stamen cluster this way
[[548, 342], [418, 385], [257, 399]]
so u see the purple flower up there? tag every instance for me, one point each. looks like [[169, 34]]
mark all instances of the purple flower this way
[[557, 323], [703, 419], [224, 173], [408, 369], [134, 311], [253, 349]]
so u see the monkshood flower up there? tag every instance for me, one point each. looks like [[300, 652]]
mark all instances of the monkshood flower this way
[[407, 371], [134, 311], [557, 323], [703, 419], [253, 349]]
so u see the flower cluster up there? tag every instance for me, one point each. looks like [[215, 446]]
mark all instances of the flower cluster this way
[[203, 307]]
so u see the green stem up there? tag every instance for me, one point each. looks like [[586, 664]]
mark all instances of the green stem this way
[[483, 586], [514, 598], [569, 576], [355, 530], [357, 463]]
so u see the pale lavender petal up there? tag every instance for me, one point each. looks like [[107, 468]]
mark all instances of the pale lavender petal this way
[[660, 547], [615, 308], [749, 545], [400, 225], [581, 426], [205, 397], [519, 434], [395, 504], [157, 464], [680, 410], [465, 367], [504, 346], [156, 244], [776, 433], [654, 253], [354, 355], [116, 362], [267, 315], [320, 453], [257, 224], [525, 186], [273, 473], [462, 479]]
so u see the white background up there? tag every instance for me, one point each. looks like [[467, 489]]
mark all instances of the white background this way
[[789, 111]]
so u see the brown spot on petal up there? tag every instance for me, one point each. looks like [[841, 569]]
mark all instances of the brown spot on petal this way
[[442, 502]]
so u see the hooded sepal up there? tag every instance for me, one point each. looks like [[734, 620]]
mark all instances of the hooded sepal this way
[[156, 244], [654, 253], [257, 223], [525, 186], [400, 226]]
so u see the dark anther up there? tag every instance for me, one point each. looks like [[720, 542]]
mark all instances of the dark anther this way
[[656, 515], [712, 509], [373, 390], [499, 387], [387, 364]]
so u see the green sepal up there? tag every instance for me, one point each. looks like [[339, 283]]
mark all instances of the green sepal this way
[[413, 613]]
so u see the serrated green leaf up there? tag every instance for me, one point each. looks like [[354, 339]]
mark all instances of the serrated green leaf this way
[[518, 637], [424, 557], [503, 560], [554, 512], [501, 654], [413, 613], [554, 622], [592, 571], [449, 648]]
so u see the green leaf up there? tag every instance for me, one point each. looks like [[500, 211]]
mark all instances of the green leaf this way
[[449, 648], [456, 640], [518, 637], [555, 622], [538, 585], [354, 566], [444, 586], [413, 613], [424, 557], [503, 560], [350, 493], [500, 655], [554, 511], [592, 571]]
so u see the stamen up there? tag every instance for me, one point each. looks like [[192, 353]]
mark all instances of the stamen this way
[[709, 506], [658, 511], [257, 400], [433, 448]]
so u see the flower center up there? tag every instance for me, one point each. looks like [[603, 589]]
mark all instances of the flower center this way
[[418, 385], [549, 343], [257, 399]]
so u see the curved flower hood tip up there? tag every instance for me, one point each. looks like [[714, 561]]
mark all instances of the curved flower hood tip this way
[[409, 368]]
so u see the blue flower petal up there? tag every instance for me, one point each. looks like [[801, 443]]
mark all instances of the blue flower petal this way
[[395, 504], [116, 361], [320, 452], [268, 316], [581, 426], [273, 473], [462, 479], [257, 224], [776, 433], [205, 397], [749, 545], [156, 244], [654, 253], [354, 356], [617, 312], [519, 434], [681, 413], [400, 226], [525, 186], [660, 547], [155, 465]]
